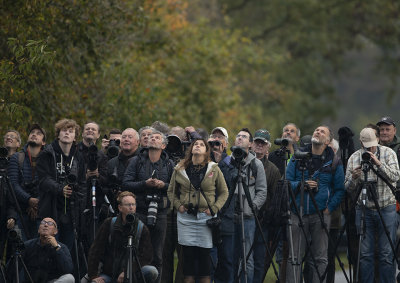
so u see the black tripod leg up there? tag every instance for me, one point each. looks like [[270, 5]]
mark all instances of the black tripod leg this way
[[301, 225], [16, 203], [250, 202], [384, 225], [325, 228], [25, 268]]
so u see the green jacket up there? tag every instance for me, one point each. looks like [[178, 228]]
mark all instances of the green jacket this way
[[213, 185]]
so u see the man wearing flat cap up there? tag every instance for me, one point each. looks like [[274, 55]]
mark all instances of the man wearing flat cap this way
[[384, 161], [261, 146]]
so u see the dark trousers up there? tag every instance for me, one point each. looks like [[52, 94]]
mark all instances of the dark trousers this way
[[157, 234]]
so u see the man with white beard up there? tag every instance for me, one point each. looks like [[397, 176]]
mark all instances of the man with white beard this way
[[326, 184]]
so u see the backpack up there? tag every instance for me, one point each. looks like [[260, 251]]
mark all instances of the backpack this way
[[138, 232]]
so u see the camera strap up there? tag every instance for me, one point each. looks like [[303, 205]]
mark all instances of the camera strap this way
[[207, 201]]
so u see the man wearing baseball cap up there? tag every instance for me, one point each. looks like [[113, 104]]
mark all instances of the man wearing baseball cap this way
[[387, 135], [23, 177], [384, 161], [261, 145], [219, 134]]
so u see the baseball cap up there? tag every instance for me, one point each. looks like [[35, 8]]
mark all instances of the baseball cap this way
[[263, 135], [368, 137], [222, 130], [36, 126], [386, 120]]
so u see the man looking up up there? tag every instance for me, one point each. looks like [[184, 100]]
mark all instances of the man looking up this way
[[61, 175], [326, 185], [292, 133], [24, 179], [46, 259], [148, 175], [253, 178], [12, 141]]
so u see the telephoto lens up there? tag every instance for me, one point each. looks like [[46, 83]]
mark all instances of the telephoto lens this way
[[130, 218], [152, 213]]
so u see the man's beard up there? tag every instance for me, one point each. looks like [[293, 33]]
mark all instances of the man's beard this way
[[316, 141], [33, 144]]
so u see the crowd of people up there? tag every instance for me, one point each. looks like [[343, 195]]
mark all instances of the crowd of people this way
[[73, 212]]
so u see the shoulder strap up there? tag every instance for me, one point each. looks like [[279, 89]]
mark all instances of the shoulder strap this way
[[139, 232], [253, 168], [21, 158], [112, 222], [227, 160]]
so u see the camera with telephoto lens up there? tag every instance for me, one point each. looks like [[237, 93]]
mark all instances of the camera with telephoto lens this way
[[3, 158], [302, 155], [153, 209], [15, 239], [176, 147], [113, 147], [92, 157], [366, 157], [214, 143], [192, 209], [281, 142], [130, 218]]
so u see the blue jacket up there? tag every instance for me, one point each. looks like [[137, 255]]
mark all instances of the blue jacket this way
[[330, 183]]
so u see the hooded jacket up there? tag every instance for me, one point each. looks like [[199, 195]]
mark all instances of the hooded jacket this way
[[330, 182], [50, 180], [256, 183], [182, 192]]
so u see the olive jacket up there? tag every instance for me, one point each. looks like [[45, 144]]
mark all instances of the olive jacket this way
[[182, 192]]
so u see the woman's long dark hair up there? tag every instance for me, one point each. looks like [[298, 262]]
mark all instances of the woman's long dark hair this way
[[184, 163]]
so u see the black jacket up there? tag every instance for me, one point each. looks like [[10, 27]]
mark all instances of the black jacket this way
[[51, 181], [21, 176], [45, 263], [139, 170], [110, 248]]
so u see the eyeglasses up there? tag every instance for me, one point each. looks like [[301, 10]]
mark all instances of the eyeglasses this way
[[49, 223], [129, 204], [242, 136], [10, 137]]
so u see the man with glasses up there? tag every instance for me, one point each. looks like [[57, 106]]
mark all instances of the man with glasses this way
[[12, 141], [261, 147], [253, 180], [110, 246], [148, 175], [46, 259], [25, 180]]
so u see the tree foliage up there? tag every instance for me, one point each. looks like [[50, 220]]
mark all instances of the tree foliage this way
[[232, 63]]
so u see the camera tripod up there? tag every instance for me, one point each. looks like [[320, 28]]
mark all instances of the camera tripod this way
[[300, 214], [245, 256], [78, 246], [15, 259], [132, 253], [6, 185], [368, 188]]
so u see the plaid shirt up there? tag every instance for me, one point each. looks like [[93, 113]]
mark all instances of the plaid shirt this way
[[389, 168]]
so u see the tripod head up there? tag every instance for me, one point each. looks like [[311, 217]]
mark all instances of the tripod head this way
[[3, 160], [15, 241], [303, 159], [366, 162]]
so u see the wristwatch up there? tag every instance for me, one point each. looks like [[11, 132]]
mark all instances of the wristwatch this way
[[57, 247]]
